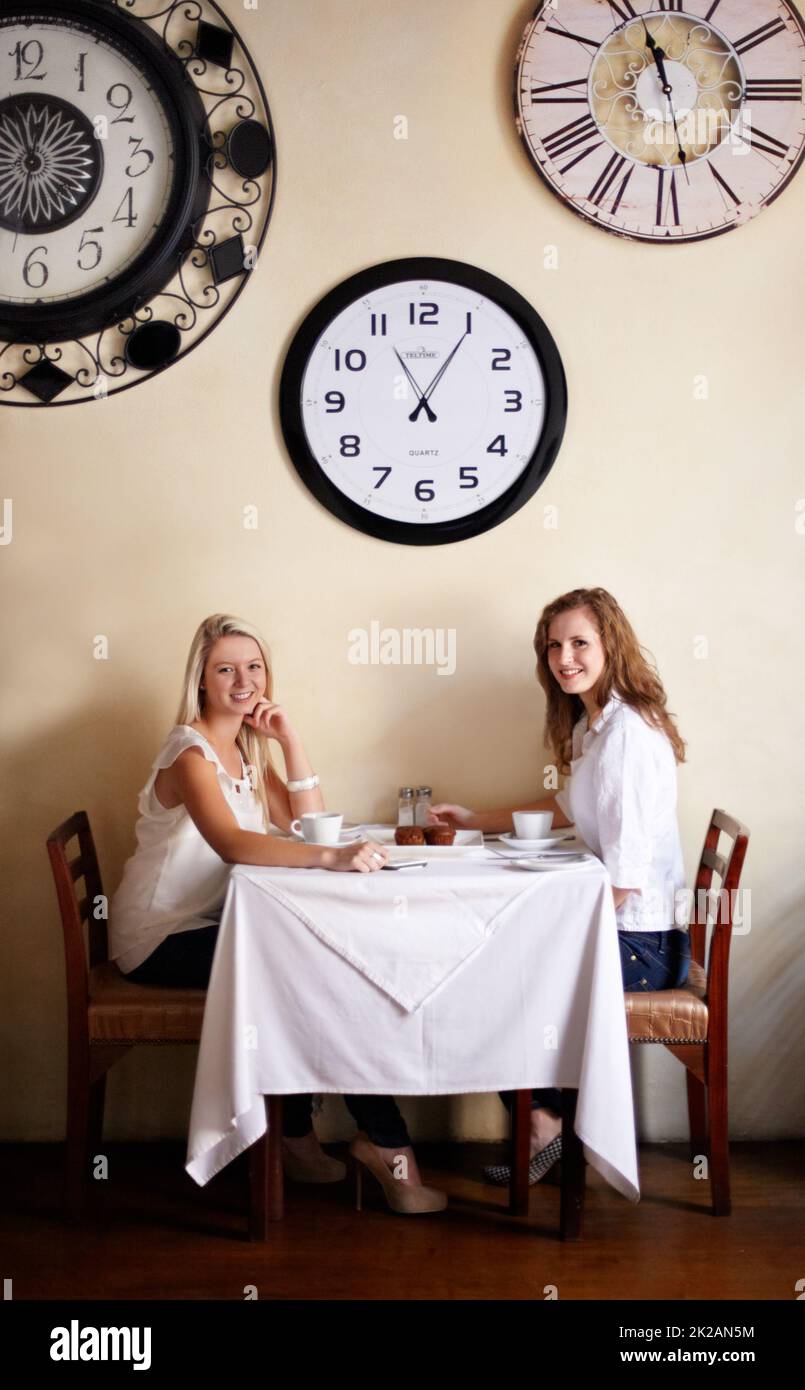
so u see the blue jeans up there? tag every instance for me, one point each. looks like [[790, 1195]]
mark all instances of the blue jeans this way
[[185, 959], [649, 960]]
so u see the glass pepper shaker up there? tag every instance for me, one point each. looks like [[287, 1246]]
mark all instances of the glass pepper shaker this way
[[405, 806], [423, 795]]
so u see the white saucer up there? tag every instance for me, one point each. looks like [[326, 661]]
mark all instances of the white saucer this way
[[545, 843], [541, 866]]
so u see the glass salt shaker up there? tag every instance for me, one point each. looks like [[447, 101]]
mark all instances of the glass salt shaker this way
[[423, 795], [405, 806]]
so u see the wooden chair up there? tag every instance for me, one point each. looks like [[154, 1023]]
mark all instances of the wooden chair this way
[[691, 1022], [108, 1014]]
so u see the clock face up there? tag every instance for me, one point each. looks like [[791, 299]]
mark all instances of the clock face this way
[[423, 401], [666, 121], [99, 166]]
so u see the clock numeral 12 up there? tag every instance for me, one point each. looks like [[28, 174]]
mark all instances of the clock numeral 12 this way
[[28, 55], [423, 313]]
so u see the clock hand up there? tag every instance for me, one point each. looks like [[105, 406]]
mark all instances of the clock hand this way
[[429, 391], [658, 55], [422, 400]]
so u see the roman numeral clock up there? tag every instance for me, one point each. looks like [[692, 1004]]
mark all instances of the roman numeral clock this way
[[136, 186], [672, 121]]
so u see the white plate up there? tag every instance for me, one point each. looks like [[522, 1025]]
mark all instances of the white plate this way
[[454, 851], [545, 843], [541, 866], [384, 835]]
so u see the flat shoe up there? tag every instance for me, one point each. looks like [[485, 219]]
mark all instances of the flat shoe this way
[[540, 1163]]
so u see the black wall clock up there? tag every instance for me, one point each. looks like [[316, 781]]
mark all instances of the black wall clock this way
[[136, 181], [423, 401], [663, 120]]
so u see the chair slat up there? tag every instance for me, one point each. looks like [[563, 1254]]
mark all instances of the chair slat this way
[[83, 909], [76, 867], [714, 861]]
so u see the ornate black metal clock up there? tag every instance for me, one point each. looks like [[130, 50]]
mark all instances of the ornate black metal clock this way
[[136, 183], [423, 401]]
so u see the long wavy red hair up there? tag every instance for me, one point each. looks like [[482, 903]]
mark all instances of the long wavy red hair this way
[[628, 669]]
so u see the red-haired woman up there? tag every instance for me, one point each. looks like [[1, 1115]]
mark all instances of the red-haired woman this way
[[607, 725]]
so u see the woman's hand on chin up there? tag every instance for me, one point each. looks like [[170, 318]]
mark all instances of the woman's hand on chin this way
[[448, 813], [271, 720]]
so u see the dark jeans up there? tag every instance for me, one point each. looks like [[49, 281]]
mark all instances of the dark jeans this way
[[185, 959], [649, 960]]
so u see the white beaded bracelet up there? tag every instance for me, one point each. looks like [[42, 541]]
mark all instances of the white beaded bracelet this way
[[303, 784]]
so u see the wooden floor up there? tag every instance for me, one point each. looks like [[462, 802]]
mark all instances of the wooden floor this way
[[153, 1234]]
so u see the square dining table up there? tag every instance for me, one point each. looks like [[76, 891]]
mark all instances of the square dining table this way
[[471, 974]]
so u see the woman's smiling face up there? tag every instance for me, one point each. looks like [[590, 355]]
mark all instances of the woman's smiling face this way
[[575, 652], [234, 675]]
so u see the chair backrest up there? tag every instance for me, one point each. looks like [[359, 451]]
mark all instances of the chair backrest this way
[[76, 910], [728, 865]]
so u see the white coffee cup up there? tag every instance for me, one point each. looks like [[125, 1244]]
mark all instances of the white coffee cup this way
[[532, 825], [318, 827]]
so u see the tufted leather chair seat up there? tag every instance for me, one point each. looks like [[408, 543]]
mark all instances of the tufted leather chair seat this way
[[670, 1015]]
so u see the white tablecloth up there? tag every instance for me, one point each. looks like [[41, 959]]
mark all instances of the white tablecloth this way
[[467, 976]]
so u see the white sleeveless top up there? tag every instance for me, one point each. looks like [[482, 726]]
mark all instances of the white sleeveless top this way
[[174, 881]]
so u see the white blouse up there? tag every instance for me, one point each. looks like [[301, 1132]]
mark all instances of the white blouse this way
[[622, 797], [174, 881]]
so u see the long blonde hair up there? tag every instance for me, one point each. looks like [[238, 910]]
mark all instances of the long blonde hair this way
[[253, 746], [627, 670]]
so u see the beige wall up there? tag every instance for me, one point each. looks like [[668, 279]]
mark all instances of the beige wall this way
[[127, 522]]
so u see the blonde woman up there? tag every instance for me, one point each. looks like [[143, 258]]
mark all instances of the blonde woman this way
[[607, 725], [211, 798]]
